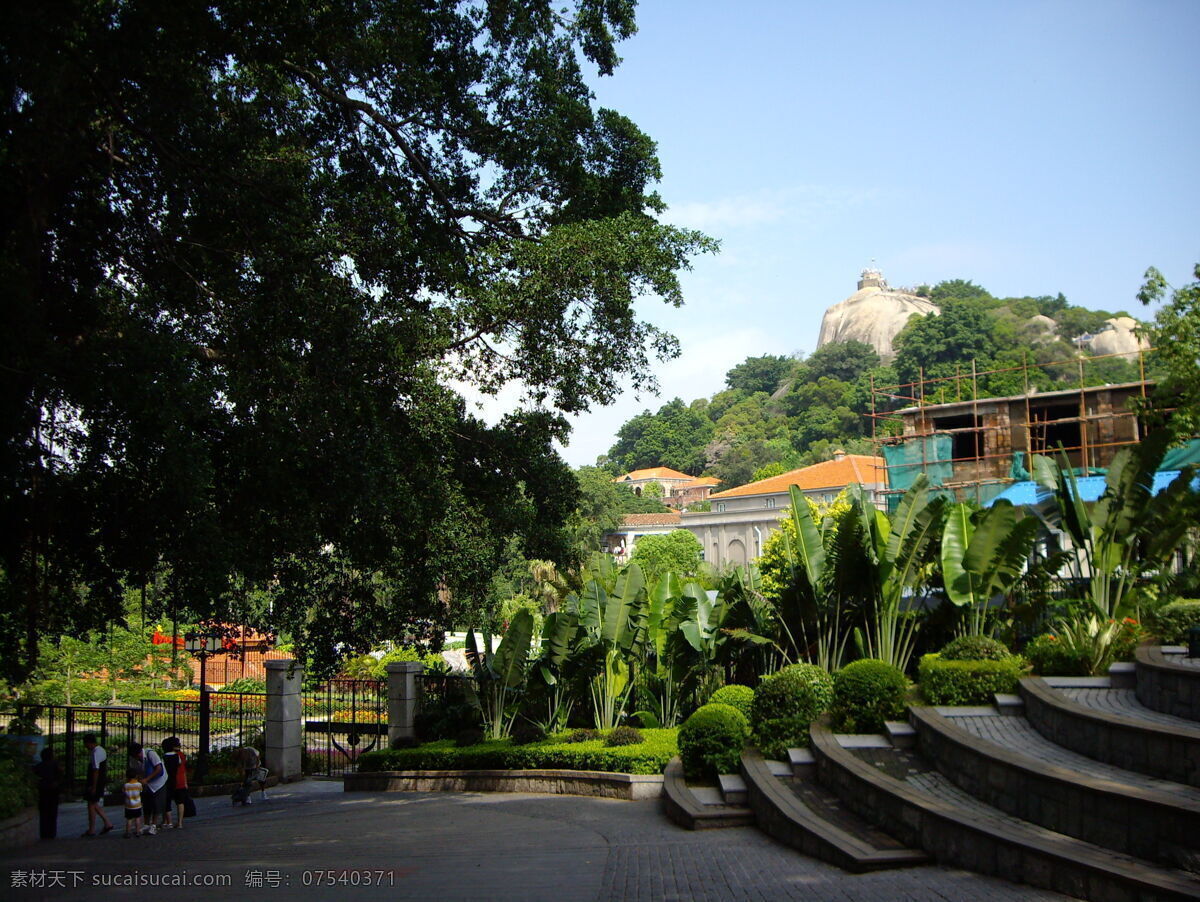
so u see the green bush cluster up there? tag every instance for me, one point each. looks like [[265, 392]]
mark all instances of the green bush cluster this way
[[1172, 621], [975, 648], [711, 741], [1050, 657], [623, 736], [784, 706], [968, 682], [866, 694], [740, 697], [18, 789], [647, 757]]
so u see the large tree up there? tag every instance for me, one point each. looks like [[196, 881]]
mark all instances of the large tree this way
[[249, 248]]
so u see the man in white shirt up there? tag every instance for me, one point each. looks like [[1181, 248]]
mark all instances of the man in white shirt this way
[[97, 779], [154, 776]]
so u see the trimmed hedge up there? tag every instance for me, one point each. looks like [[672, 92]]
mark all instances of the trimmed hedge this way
[[968, 682], [1050, 658], [647, 757], [711, 741], [784, 706], [1172, 622], [865, 694], [975, 648], [740, 697]]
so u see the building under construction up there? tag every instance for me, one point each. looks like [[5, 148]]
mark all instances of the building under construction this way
[[976, 446]]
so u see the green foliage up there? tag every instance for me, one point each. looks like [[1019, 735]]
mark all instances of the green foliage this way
[[984, 553], [500, 675], [844, 361], [975, 648], [651, 756], [678, 552], [785, 704], [584, 735], [230, 334], [759, 374], [1172, 621], [1175, 334], [1050, 657], [1096, 643], [673, 437], [740, 697], [711, 741], [623, 735], [967, 682], [18, 788], [865, 694], [246, 684]]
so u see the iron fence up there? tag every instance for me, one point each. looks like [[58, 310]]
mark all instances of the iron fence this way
[[343, 719], [236, 719], [63, 728]]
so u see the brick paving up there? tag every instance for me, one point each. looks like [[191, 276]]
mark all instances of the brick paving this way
[[452, 846], [1123, 702], [1016, 734]]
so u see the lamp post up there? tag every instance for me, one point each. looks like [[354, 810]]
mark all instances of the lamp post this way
[[203, 645]]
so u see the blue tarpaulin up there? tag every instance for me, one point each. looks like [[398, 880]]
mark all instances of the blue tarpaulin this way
[[1091, 488]]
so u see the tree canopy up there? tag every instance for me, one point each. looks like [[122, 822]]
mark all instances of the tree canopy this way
[[249, 250]]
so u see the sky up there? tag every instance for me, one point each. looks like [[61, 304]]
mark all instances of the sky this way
[[1032, 147]]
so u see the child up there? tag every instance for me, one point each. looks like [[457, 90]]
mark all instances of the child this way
[[133, 803]]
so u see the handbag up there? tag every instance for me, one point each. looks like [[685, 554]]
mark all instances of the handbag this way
[[189, 807]]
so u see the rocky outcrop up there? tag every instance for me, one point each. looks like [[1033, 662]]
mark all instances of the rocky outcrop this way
[[874, 314], [1117, 337]]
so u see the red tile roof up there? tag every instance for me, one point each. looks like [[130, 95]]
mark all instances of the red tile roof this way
[[652, 473], [666, 518], [852, 468]]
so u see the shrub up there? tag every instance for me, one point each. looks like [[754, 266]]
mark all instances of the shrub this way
[[648, 757], [623, 736], [785, 704], [1050, 657], [1171, 622], [865, 694], [1096, 643], [526, 731], [735, 696], [586, 735], [469, 737], [246, 684], [975, 648], [711, 741], [967, 682]]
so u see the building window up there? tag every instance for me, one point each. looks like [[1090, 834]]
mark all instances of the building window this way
[[770, 503], [720, 507], [967, 441]]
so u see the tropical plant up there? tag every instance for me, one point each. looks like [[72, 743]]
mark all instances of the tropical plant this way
[[1129, 530], [984, 553], [1092, 641], [500, 675], [552, 668]]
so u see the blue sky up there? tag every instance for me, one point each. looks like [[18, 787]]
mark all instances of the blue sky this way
[[1033, 147]]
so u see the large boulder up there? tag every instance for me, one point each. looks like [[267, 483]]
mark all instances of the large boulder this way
[[874, 314], [1117, 337]]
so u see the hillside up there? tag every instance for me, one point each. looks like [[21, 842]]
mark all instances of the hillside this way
[[778, 412]]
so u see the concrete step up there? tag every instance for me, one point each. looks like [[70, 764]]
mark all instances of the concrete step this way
[[1010, 705], [1168, 682], [900, 734], [802, 762], [863, 741], [699, 807], [919, 807], [810, 819], [778, 768], [733, 789], [1122, 675]]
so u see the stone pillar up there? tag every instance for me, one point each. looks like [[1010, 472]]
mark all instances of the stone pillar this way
[[402, 693], [284, 710]]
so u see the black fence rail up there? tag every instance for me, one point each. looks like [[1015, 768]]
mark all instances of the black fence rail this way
[[343, 719], [62, 728], [236, 719]]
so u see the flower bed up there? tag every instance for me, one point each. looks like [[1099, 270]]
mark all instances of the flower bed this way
[[650, 756]]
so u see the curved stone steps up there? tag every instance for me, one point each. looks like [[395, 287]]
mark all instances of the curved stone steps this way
[[687, 810], [931, 813], [1110, 725], [1004, 762], [1168, 681], [808, 823]]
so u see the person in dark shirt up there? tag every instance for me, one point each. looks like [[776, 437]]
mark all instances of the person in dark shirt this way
[[48, 789]]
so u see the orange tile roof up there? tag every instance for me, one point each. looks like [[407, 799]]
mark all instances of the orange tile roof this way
[[706, 480], [852, 468], [666, 518], [653, 473]]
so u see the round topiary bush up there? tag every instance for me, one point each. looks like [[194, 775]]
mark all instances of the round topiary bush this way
[[785, 704], [865, 694], [735, 696], [975, 648], [711, 741], [623, 736]]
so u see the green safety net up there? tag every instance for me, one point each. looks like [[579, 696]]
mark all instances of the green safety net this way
[[928, 454], [1178, 458], [1017, 470]]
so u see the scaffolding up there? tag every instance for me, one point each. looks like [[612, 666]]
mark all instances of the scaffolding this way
[[972, 447]]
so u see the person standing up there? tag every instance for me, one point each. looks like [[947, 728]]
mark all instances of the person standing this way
[[97, 780], [48, 791], [177, 784], [154, 776], [133, 802]]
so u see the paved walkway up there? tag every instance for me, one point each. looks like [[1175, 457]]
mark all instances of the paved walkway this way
[[460, 846], [1124, 702]]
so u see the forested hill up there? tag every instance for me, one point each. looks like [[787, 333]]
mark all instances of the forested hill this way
[[778, 412]]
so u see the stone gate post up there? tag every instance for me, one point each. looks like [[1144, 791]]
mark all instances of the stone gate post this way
[[402, 690], [284, 710]]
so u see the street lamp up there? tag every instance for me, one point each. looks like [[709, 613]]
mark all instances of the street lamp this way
[[203, 645]]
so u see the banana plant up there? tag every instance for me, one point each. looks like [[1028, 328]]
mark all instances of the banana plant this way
[[983, 554], [612, 615], [558, 636], [1128, 530], [662, 673], [500, 675]]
